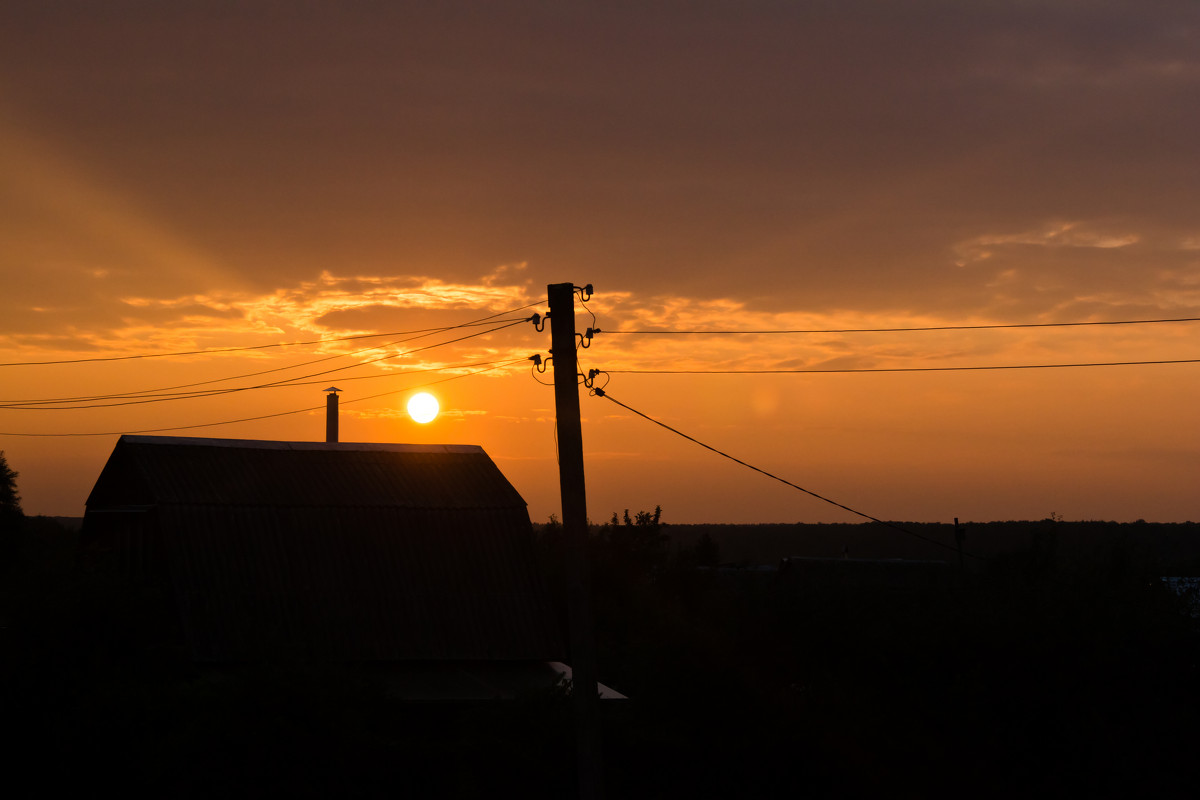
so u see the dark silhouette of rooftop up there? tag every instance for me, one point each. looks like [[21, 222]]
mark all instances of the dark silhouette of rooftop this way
[[326, 551]]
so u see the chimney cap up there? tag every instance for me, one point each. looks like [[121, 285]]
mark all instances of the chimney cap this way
[[331, 389]]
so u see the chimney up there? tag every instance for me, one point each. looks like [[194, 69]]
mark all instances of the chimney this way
[[331, 414]]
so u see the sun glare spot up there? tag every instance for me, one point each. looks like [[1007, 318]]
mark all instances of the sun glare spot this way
[[423, 407]]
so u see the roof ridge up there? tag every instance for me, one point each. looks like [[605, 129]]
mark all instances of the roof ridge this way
[[269, 444]]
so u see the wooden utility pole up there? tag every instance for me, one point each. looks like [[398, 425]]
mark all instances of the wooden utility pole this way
[[575, 532]]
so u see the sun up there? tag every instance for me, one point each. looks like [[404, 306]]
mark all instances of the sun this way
[[423, 407]]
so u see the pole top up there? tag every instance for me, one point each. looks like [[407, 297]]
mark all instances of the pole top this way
[[333, 389]]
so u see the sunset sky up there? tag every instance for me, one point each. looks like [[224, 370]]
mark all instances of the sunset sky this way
[[194, 176]]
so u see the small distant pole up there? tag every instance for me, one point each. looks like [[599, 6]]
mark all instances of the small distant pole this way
[[331, 414], [959, 535], [561, 297]]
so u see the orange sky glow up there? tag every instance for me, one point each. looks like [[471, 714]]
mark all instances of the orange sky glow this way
[[202, 179]]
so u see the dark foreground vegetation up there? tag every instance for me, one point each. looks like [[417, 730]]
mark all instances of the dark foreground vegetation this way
[[1060, 663]]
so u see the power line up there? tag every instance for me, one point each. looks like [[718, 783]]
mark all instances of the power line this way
[[279, 385], [495, 365], [264, 416], [249, 348], [274, 384], [261, 346], [601, 393], [905, 330], [446, 368], [257, 373], [896, 369], [421, 334]]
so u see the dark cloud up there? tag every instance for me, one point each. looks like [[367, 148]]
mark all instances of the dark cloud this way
[[809, 155]]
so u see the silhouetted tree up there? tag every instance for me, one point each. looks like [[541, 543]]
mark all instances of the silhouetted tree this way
[[10, 500], [637, 545], [11, 515]]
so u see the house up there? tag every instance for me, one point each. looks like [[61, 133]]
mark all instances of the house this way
[[417, 556]]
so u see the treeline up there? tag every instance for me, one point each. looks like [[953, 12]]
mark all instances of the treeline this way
[[1174, 548]]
